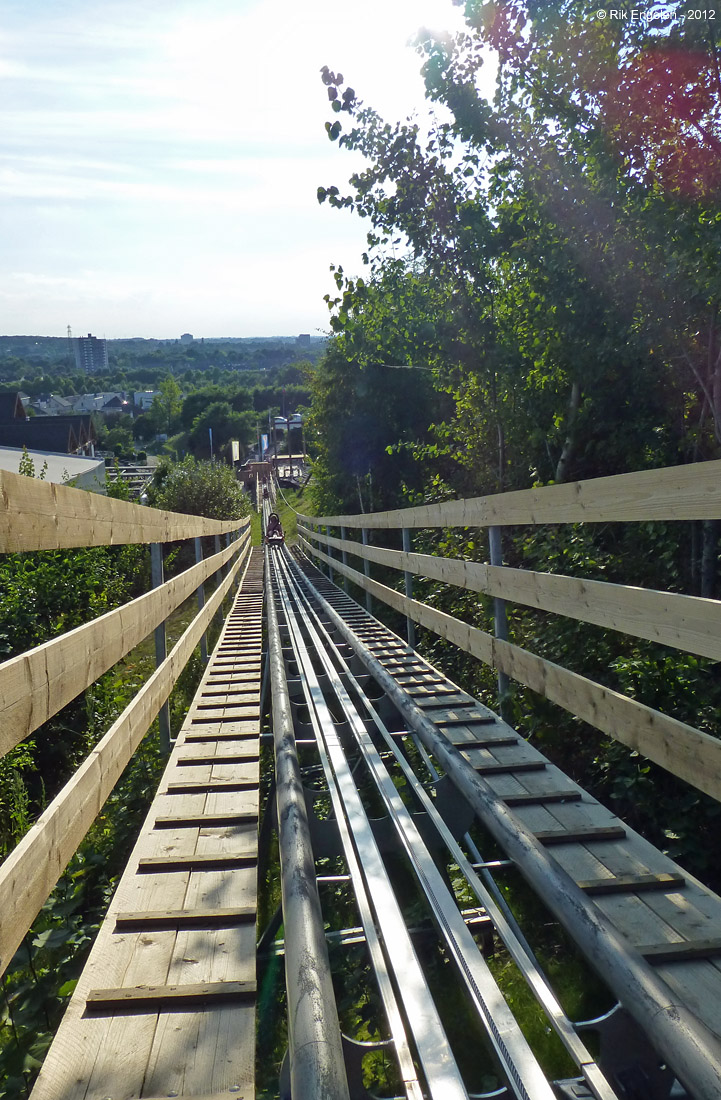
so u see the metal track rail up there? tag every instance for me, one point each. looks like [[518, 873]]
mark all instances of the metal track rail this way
[[313, 646]]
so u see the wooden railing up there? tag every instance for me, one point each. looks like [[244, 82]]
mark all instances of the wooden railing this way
[[35, 515], [689, 623]]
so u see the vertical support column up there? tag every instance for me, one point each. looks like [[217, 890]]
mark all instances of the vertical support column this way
[[367, 570], [500, 619], [344, 556], [410, 625], [198, 542], [161, 649], [329, 552]]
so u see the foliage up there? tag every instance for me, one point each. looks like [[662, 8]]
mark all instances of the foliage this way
[[199, 489]]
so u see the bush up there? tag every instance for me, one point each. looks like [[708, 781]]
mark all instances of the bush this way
[[199, 489]]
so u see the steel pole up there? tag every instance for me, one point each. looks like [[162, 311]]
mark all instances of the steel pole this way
[[410, 625]]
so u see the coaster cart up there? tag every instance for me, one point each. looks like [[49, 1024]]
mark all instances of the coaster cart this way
[[274, 532]]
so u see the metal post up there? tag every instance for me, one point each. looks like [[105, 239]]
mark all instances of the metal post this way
[[367, 570], [330, 553], [317, 1067], [201, 598], [500, 618], [410, 625], [218, 617], [161, 649], [344, 556]]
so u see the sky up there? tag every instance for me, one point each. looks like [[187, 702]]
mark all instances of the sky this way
[[159, 161]]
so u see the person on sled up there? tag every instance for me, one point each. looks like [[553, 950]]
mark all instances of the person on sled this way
[[274, 530]]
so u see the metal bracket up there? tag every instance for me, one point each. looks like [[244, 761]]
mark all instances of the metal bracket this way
[[629, 1061]]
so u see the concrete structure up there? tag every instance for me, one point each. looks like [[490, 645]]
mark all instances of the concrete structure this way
[[91, 354], [186, 338]]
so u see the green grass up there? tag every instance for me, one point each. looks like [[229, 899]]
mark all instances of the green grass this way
[[299, 500]]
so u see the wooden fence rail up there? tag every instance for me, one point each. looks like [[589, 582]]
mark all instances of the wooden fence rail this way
[[38, 683], [687, 752], [676, 492], [684, 622], [39, 515], [33, 867]]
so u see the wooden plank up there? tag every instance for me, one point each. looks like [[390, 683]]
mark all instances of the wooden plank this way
[[210, 786], [184, 918], [155, 998], [540, 798], [675, 492], [195, 862], [632, 884], [683, 750], [205, 820], [690, 623], [31, 870], [581, 836], [40, 515], [658, 953], [227, 758], [37, 684], [484, 742], [496, 768]]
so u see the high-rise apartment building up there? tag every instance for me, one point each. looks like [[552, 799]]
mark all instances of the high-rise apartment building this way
[[91, 354]]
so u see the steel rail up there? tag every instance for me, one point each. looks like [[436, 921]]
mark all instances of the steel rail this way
[[682, 1040], [519, 1064], [515, 944], [317, 1065], [365, 910]]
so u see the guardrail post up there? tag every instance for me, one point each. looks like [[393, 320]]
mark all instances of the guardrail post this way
[[344, 556], [201, 598], [330, 553], [410, 625], [367, 571], [500, 618], [218, 617], [161, 649]]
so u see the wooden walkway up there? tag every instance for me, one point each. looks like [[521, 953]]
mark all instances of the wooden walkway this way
[[180, 934]]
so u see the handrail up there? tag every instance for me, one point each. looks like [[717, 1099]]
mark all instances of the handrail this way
[[40, 515], [687, 752], [691, 623], [30, 872], [36, 684], [674, 492]]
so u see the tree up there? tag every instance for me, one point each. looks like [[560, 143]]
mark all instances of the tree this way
[[199, 489]]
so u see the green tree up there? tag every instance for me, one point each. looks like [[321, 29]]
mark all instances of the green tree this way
[[199, 489]]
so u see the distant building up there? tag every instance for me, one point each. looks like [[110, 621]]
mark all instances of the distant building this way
[[144, 399], [303, 341], [186, 338], [83, 473], [91, 354]]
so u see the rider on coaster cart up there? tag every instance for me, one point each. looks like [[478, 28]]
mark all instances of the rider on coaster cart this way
[[273, 528]]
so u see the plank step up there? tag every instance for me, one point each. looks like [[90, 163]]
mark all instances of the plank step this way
[[658, 953], [228, 758], [485, 742], [151, 864], [581, 836], [466, 720], [167, 997], [540, 797], [210, 787], [239, 714], [219, 735], [461, 701], [519, 766], [184, 918], [632, 884], [203, 821]]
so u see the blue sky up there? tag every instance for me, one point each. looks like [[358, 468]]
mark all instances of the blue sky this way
[[160, 160]]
